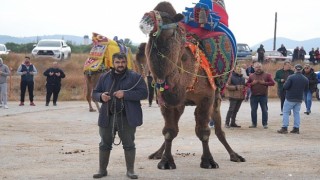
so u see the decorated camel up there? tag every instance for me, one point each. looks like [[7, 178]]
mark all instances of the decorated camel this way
[[190, 57], [100, 60]]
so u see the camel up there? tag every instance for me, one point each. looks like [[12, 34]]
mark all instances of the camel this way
[[100, 61], [181, 80]]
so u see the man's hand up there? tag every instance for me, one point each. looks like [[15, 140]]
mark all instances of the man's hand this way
[[118, 94], [105, 97], [51, 73], [57, 74]]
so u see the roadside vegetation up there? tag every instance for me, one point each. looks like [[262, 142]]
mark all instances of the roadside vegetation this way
[[73, 86]]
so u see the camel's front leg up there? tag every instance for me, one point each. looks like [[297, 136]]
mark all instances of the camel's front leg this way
[[216, 116], [201, 113], [170, 131]]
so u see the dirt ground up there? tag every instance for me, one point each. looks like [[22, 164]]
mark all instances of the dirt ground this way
[[62, 143]]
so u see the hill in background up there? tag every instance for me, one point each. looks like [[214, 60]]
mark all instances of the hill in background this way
[[77, 40], [289, 44]]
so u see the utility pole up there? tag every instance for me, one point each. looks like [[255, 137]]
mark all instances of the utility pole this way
[[275, 32]]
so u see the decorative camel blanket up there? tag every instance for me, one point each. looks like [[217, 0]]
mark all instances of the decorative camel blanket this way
[[208, 21], [100, 56]]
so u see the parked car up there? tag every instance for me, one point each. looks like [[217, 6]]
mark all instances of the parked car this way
[[272, 56], [243, 51], [3, 49], [54, 48]]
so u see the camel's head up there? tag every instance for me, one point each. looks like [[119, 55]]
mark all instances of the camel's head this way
[[166, 39]]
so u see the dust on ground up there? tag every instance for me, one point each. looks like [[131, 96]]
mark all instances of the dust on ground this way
[[61, 142]]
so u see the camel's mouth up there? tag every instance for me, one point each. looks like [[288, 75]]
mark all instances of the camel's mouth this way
[[147, 23]]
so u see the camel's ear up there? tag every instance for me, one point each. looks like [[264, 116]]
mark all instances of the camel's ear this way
[[178, 17]]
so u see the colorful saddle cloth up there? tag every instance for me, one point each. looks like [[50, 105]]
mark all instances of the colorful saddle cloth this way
[[100, 56], [208, 20]]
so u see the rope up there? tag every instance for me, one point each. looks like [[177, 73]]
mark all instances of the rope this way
[[180, 68]]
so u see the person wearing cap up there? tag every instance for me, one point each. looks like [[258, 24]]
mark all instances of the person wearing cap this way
[[295, 85], [313, 81], [27, 71], [280, 77], [4, 73], [120, 92], [259, 81]]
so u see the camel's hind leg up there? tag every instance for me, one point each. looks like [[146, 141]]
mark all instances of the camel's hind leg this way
[[216, 116]]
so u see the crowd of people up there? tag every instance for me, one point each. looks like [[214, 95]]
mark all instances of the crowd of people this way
[[298, 54], [27, 71], [294, 86]]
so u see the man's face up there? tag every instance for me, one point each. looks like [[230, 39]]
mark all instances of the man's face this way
[[287, 66], [120, 65], [258, 68], [307, 69]]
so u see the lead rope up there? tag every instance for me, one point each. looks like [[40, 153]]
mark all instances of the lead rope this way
[[115, 119]]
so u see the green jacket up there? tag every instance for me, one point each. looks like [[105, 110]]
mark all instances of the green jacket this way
[[282, 74]]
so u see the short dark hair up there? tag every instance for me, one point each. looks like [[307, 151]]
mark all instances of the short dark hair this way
[[119, 55], [27, 57]]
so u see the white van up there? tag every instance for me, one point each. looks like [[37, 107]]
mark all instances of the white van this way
[[3, 49]]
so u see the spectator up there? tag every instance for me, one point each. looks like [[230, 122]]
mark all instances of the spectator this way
[[302, 53], [295, 85], [283, 50], [317, 55], [281, 77], [54, 75], [249, 71], [4, 73], [150, 88], [27, 71], [312, 77], [236, 89], [295, 55], [120, 91], [261, 52], [312, 55], [259, 82]]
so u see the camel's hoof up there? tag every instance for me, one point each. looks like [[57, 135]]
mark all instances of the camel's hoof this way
[[208, 163], [155, 155], [237, 158], [92, 110], [166, 164]]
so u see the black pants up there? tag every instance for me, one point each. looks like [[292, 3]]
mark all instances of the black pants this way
[[125, 131], [234, 107], [23, 88], [52, 89], [151, 89], [282, 96]]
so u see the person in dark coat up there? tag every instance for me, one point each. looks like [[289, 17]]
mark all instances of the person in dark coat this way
[[120, 91], [53, 85], [282, 50], [313, 81], [312, 55], [281, 77], [237, 91], [295, 55], [295, 85], [261, 52]]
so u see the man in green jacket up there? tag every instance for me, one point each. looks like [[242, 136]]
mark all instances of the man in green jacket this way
[[281, 77]]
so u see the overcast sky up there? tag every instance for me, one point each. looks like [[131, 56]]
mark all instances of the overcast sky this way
[[251, 21]]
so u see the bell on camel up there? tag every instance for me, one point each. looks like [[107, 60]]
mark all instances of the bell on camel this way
[[202, 17]]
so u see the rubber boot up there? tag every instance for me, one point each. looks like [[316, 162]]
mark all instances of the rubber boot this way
[[103, 163], [130, 158]]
